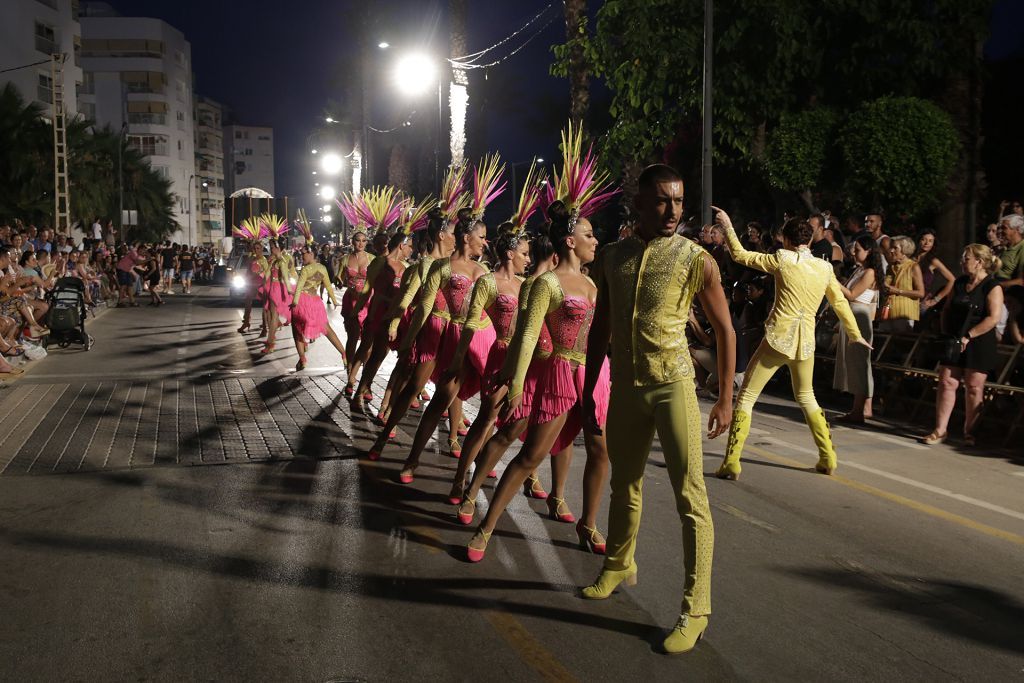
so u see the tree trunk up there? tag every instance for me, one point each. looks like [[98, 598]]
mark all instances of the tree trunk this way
[[579, 73]]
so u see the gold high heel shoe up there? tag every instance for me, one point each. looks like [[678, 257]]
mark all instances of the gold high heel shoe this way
[[608, 581]]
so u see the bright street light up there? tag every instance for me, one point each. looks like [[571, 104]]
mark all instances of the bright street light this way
[[415, 74], [314, 172], [313, 151], [383, 45], [327, 192], [327, 218], [540, 160], [331, 164], [326, 208], [329, 119]]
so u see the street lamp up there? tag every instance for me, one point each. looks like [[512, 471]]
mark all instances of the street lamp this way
[[327, 192], [329, 119], [383, 45], [331, 164], [312, 151], [515, 193], [414, 74]]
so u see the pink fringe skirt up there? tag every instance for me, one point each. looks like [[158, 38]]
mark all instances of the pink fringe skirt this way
[[310, 317], [478, 359], [277, 294], [428, 341], [348, 302], [560, 391], [403, 328]]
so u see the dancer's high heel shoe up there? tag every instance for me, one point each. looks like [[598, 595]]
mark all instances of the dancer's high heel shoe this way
[[455, 495], [933, 439], [263, 332], [301, 365], [244, 327], [466, 511], [590, 539], [533, 489], [454, 449], [267, 348], [559, 511], [687, 633], [608, 581], [350, 389], [408, 474], [478, 545]]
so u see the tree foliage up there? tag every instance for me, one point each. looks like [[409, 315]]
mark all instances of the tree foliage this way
[[801, 149], [26, 172], [898, 153]]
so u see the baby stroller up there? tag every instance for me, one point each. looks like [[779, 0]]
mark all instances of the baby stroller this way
[[66, 318]]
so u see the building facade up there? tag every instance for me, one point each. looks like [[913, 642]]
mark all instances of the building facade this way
[[248, 158], [32, 30], [210, 169], [138, 73]]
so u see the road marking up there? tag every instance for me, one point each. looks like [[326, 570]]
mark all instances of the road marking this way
[[940, 491], [965, 522], [530, 650], [902, 443], [750, 519], [1018, 474]]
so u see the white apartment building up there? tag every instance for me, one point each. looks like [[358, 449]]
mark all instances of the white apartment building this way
[[30, 31], [248, 158], [210, 169], [139, 71]]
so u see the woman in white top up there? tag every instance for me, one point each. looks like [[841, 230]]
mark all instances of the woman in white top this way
[[853, 361]]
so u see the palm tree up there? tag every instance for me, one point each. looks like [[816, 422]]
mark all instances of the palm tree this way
[[26, 164], [579, 73]]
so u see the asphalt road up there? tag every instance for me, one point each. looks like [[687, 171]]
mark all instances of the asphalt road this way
[[175, 507]]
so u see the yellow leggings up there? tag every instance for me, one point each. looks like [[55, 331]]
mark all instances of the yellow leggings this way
[[634, 414], [764, 365]]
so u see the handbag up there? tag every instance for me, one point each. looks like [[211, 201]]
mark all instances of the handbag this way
[[948, 348]]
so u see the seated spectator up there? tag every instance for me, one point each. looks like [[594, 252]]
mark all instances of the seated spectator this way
[[972, 311], [1011, 272], [992, 238], [853, 361], [904, 287], [13, 300]]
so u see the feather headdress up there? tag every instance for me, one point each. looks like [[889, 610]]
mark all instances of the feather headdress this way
[[274, 225], [454, 197], [249, 229], [416, 217], [581, 185], [486, 178], [381, 207], [349, 206], [302, 223], [529, 198]]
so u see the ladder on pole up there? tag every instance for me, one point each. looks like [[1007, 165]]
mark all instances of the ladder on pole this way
[[61, 198]]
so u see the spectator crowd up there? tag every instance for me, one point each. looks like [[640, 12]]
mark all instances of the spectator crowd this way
[[34, 261]]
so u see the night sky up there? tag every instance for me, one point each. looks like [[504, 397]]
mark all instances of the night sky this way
[[273, 64]]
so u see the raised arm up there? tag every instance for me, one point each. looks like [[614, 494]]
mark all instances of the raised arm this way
[[485, 293], [428, 292], [767, 263]]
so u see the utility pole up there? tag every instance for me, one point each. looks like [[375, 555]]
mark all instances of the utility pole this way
[[707, 150]]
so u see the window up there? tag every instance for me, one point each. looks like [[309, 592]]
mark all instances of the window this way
[[49, 3], [46, 39], [137, 47], [147, 118], [77, 50], [264, 137], [149, 145], [151, 82], [238, 135], [75, 10], [163, 172], [179, 89], [44, 89], [179, 57], [87, 109], [180, 116], [88, 83], [248, 152]]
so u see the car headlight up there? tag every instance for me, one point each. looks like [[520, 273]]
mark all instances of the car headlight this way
[[238, 282]]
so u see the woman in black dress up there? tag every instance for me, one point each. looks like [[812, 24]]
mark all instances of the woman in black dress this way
[[973, 310]]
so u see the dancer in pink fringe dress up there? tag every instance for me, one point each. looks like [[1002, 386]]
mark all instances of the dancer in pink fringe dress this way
[[278, 291], [309, 315], [455, 278]]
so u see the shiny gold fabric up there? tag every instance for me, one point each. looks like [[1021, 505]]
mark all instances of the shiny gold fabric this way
[[310, 278], [412, 280], [545, 295]]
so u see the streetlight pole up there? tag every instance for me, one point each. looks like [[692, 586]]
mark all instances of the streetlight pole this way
[[706, 151], [191, 182]]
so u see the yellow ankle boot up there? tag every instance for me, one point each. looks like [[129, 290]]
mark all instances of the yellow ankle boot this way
[[684, 636], [738, 430], [608, 581], [823, 440]]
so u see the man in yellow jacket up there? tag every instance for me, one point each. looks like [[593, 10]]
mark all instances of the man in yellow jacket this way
[[801, 280]]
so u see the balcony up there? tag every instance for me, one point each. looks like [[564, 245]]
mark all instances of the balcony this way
[[148, 119], [46, 45]]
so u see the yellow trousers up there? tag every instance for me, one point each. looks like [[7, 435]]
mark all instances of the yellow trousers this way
[[634, 415], [764, 364]]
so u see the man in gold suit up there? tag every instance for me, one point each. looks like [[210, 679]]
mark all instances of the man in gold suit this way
[[646, 286]]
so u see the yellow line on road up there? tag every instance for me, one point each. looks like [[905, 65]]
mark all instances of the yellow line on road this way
[[529, 649], [925, 508]]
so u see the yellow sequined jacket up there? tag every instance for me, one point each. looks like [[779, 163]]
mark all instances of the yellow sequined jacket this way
[[801, 280], [412, 280], [649, 289], [310, 278]]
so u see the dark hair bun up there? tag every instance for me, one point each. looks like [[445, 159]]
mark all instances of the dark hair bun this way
[[558, 213]]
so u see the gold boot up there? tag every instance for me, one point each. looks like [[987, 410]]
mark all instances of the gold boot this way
[[823, 440], [608, 581], [738, 430], [684, 636]]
